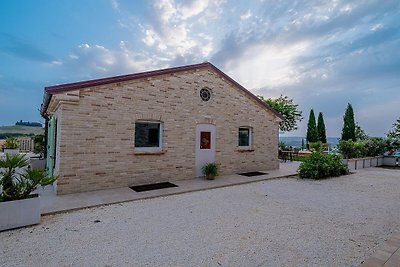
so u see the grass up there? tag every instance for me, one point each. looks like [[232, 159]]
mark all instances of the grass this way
[[297, 158]]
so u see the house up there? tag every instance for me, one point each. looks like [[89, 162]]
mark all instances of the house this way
[[155, 126]]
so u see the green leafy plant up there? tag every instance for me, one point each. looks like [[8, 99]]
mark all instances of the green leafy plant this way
[[375, 146], [18, 184], [350, 149], [318, 166], [395, 131], [11, 143], [210, 170], [316, 146], [39, 143], [369, 147], [289, 110]]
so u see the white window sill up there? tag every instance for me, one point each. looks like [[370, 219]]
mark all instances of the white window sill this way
[[149, 152], [245, 149]]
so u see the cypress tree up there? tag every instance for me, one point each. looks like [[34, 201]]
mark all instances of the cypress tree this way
[[321, 128], [349, 126], [312, 134]]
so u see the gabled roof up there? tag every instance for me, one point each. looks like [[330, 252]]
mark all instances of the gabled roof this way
[[56, 89]]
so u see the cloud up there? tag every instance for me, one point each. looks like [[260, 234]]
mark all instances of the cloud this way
[[174, 35], [245, 15], [98, 61], [115, 5], [192, 8], [265, 64]]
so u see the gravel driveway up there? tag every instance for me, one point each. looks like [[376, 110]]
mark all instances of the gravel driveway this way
[[283, 222]]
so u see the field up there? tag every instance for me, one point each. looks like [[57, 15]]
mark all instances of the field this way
[[17, 130]]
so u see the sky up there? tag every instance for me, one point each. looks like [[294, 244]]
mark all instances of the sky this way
[[322, 54]]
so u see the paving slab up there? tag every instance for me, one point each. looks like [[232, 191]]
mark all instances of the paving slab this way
[[386, 256], [52, 203]]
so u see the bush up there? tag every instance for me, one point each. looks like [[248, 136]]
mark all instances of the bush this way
[[370, 147], [393, 144], [319, 166], [346, 148], [350, 149], [11, 143], [375, 146], [19, 185], [210, 169]]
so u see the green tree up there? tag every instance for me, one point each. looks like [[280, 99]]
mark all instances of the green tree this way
[[288, 109], [395, 132], [312, 134], [321, 128], [349, 126], [39, 143], [360, 134]]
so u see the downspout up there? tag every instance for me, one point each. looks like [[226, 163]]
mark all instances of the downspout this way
[[46, 100]]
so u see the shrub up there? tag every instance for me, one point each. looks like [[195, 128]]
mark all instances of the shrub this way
[[315, 146], [392, 144], [11, 143], [370, 147], [375, 146], [346, 148], [359, 150], [350, 149], [210, 169], [319, 166], [19, 185]]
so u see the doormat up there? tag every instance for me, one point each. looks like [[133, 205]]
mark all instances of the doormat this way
[[250, 174], [149, 187]]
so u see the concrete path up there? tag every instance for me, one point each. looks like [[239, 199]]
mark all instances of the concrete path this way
[[386, 256], [51, 203]]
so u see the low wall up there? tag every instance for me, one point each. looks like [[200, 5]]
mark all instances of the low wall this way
[[360, 163], [391, 161]]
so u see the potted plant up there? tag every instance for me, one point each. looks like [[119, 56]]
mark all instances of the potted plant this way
[[11, 146], [17, 204], [210, 170]]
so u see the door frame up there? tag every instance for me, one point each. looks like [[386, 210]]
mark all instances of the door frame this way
[[203, 156]]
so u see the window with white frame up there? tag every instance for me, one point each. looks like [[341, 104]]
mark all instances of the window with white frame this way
[[245, 137], [148, 136]]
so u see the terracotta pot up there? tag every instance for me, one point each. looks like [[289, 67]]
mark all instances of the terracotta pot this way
[[210, 177]]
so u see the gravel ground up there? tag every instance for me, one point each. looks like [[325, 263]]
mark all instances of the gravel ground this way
[[285, 222]]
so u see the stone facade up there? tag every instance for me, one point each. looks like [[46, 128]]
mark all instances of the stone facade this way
[[95, 130]]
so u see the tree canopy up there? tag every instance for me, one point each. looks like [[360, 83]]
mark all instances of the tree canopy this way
[[349, 126], [360, 133], [395, 131], [321, 128], [288, 109], [312, 134]]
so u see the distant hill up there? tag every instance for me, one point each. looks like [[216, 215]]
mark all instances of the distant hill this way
[[19, 130], [28, 123]]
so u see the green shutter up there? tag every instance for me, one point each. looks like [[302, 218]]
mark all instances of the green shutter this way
[[50, 146]]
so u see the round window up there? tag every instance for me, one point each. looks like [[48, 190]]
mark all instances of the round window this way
[[205, 94]]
